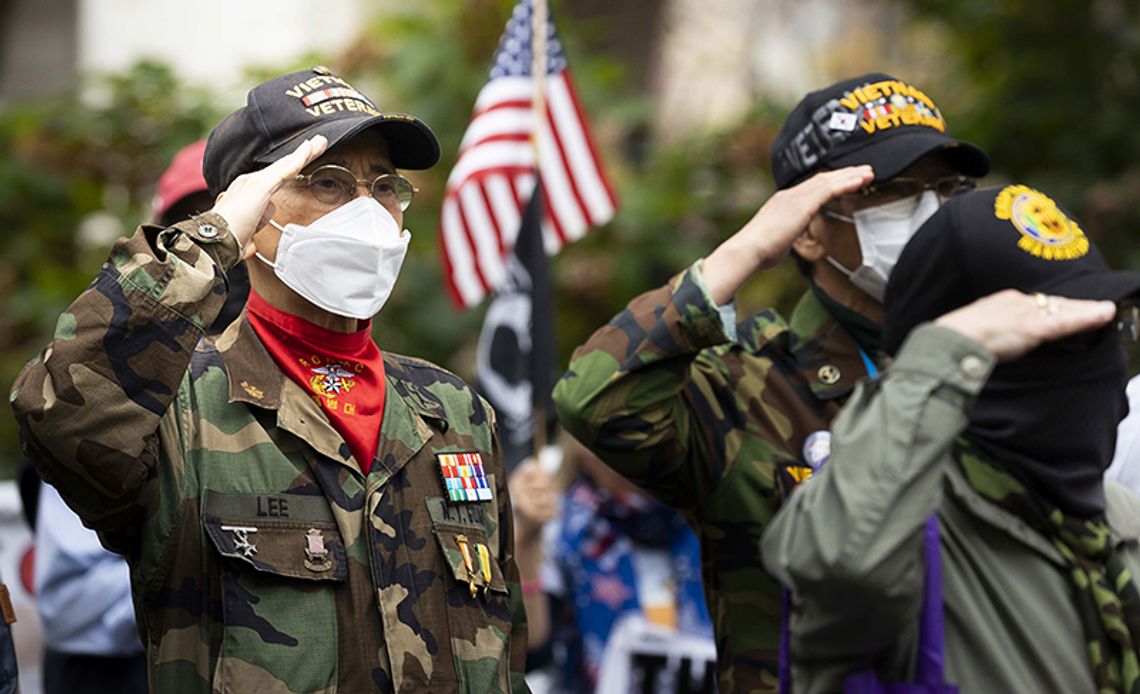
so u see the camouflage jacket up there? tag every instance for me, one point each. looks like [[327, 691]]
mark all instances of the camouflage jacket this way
[[850, 543], [707, 424], [262, 560]]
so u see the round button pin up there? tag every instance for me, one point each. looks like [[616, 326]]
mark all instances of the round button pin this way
[[828, 374], [207, 231]]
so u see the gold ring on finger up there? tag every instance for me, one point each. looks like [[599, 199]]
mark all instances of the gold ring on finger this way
[[1045, 305]]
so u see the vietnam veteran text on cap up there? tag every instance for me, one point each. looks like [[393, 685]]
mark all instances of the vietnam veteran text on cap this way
[[874, 119], [281, 113]]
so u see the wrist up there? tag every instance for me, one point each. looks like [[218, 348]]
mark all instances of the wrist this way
[[728, 267], [966, 328]]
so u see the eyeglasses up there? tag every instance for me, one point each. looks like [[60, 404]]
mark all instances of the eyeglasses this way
[[335, 185], [905, 187]]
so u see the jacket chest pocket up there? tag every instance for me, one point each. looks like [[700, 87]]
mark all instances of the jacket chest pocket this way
[[478, 600], [281, 557]]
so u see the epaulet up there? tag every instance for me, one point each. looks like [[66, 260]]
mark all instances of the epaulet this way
[[757, 331], [417, 379], [205, 356], [423, 372]]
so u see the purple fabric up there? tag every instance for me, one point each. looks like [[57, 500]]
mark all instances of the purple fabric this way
[[929, 666], [866, 682], [785, 671]]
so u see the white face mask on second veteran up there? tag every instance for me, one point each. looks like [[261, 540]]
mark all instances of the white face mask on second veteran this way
[[346, 262], [883, 232]]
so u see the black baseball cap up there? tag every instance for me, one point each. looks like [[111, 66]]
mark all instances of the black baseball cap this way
[[283, 112], [874, 119], [986, 240]]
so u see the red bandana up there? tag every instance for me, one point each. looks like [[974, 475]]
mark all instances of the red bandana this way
[[343, 372]]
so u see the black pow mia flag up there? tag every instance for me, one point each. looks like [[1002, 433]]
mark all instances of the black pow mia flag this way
[[515, 357]]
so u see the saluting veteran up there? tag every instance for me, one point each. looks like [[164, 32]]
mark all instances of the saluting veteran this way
[[961, 536], [301, 512], [718, 418]]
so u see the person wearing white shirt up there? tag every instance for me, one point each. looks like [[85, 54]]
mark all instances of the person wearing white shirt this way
[[1125, 467], [83, 595]]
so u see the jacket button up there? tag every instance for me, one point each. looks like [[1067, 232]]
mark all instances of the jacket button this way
[[972, 367], [828, 374], [207, 231]]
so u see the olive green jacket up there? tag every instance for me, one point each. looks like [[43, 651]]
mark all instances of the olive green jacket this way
[[849, 543], [262, 559]]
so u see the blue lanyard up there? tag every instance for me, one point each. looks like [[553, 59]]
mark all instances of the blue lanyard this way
[[872, 370]]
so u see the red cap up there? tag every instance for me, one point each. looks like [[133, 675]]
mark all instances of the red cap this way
[[183, 177]]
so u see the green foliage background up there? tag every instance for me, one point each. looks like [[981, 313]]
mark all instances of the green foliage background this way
[[1051, 90]]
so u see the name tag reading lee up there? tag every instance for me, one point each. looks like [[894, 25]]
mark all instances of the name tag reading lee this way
[[244, 508], [272, 507]]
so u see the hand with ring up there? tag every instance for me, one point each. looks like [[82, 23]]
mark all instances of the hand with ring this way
[[1044, 304], [1010, 323]]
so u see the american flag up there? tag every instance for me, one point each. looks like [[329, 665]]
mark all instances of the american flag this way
[[505, 153]]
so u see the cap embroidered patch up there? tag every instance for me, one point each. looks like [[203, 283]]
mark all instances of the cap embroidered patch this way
[[890, 104], [463, 476], [326, 95], [843, 121], [1046, 232]]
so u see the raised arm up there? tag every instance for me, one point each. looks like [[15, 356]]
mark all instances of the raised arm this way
[[92, 402], [848, 542], [645, 393]]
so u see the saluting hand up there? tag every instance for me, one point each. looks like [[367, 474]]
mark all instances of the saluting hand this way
[[1010, 323], [766, 238], [245, 204]]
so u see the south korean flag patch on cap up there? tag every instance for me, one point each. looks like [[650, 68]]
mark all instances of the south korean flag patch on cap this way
[[464, 479], [843, 121]]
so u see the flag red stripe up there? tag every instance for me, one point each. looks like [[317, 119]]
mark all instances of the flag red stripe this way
[[497, 227], [515, 180], [500, 137], [465, 225], [516, 103], [568, 79], [571, 178], [509, 171], [548, 213], [448, 273]]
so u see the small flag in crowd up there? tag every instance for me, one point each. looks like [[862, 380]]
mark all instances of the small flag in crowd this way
[[506, 152]]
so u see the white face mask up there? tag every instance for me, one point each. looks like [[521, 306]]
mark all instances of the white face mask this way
[[345, 262], [883, 232]]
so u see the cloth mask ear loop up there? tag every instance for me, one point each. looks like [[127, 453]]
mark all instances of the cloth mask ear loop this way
[[262, 258]]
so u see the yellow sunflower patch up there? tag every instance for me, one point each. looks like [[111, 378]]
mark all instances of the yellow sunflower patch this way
[[1046, 232]]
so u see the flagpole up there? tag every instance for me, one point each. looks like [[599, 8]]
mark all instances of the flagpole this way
[[538, 73], [539, 19]]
